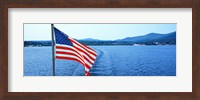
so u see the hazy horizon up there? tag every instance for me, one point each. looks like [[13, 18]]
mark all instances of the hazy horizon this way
[[42, 32], [94, 38]]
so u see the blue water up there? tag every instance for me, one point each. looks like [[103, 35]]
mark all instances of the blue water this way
[[111, 61]]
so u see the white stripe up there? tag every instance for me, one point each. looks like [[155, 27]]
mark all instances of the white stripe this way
[[75, 42], [59, 49], [86, 62], [70, 51], [93, 56], [63, 45], [70, 56], [82, 46], [82, 53], [86, 69]]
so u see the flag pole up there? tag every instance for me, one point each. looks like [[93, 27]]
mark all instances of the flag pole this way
[[53, 50]]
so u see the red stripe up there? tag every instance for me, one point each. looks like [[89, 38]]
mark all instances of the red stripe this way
[[67, 48], [87, 66], [84, 53], [87, 47], [69, 53], [87, 60], [81, 45], [87, 73], [68, 58], [89, 52]]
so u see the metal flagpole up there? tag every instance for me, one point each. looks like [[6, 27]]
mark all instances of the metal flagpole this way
[[53, 50]]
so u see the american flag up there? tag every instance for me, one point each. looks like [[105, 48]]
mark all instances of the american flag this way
[[68, 48]]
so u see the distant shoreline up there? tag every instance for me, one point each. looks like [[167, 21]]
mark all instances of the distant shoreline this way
[[101, 43], [113, 45], [148, 39]]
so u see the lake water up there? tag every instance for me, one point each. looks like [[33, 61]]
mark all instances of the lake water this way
[[111, 61]]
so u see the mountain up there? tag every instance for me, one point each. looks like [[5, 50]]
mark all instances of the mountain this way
[[89, 39], [151, 37], [169, 37], [148, 39]]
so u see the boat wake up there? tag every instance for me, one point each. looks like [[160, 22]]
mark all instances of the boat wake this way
[[102, 65]]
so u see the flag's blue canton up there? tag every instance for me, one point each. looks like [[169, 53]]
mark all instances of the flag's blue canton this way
[[61, 38]]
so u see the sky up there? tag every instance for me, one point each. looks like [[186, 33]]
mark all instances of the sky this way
[[95, 31]]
